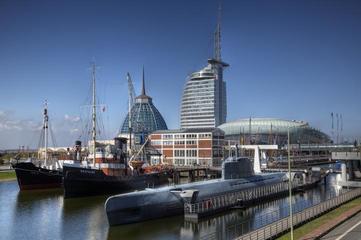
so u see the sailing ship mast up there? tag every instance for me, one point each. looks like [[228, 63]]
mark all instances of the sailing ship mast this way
[[46, 128], [94, 133]]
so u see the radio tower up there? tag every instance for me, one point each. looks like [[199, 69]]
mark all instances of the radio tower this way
[[217, 37]]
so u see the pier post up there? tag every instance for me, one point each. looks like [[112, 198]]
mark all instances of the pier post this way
[[176, 177], [343, 172], [191, 175]]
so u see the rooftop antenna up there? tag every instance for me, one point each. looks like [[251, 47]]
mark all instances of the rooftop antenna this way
[[217, 38]]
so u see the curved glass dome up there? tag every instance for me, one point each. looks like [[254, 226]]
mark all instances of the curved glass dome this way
[[145, 116], [263, 128], [262, 125]]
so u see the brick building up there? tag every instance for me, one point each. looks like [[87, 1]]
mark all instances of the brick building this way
[[189, 147]]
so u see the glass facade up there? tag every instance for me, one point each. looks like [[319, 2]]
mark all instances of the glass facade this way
[[145, 117], [204, 98]]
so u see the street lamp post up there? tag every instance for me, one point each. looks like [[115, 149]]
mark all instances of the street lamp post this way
[[289, 181]]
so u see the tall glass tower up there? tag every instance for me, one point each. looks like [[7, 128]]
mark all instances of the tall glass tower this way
[[204, 100]]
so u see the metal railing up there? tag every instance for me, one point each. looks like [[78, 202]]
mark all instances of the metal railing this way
[[237, 198], [269, 216], [283, 225]]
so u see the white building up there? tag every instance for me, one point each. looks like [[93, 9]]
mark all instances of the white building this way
[[204, 101]]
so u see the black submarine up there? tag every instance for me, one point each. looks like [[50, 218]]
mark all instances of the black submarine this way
[[237, 174]]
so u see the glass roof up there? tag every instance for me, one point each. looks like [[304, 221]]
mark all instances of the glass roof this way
[[145, 118], [262, 126]]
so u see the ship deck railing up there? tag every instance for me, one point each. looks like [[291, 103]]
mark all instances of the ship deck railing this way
[[213, 205]]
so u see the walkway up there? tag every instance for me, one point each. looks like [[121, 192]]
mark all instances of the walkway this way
[[350, 229]]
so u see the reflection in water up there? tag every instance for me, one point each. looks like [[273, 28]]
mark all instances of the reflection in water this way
[[46, 215], [37, 214], [84, 218], [166, 228]]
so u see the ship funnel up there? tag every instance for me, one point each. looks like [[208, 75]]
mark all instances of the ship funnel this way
[[121, 148], [78, 150]]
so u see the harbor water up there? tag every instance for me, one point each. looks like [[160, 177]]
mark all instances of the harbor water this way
[[45, 214]]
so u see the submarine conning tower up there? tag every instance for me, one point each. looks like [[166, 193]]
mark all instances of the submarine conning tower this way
[[237, 167]]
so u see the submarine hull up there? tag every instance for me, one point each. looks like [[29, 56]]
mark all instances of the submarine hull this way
[[164, 202]]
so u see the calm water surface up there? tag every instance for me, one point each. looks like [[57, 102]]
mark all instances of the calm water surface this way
[[47, 215]]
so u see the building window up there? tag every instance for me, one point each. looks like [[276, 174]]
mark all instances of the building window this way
[[178, 161], [179, 136], [167, 136], [168, 143], [154, 142], [179, 153], [191, 142], [192, 153], [191, 162], [192, 136], [205, 135]]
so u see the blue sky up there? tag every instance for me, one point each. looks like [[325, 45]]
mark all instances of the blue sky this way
[[288, 59]]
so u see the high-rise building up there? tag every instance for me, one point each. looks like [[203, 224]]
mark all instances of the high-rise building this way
[[204, 101]]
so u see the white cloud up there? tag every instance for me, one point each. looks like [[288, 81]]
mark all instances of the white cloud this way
[[71, 118], [9, 122], [74, 130], [16, 131]]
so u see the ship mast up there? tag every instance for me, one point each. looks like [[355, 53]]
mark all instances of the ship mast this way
[[94, 133], [46, 127]]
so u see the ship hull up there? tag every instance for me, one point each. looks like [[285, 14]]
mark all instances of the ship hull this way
[[82, 182], [31, 177], [164, 202]]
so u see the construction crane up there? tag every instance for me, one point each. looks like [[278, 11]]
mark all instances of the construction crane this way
[[131, 91], [131, 99], [137, 154]]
